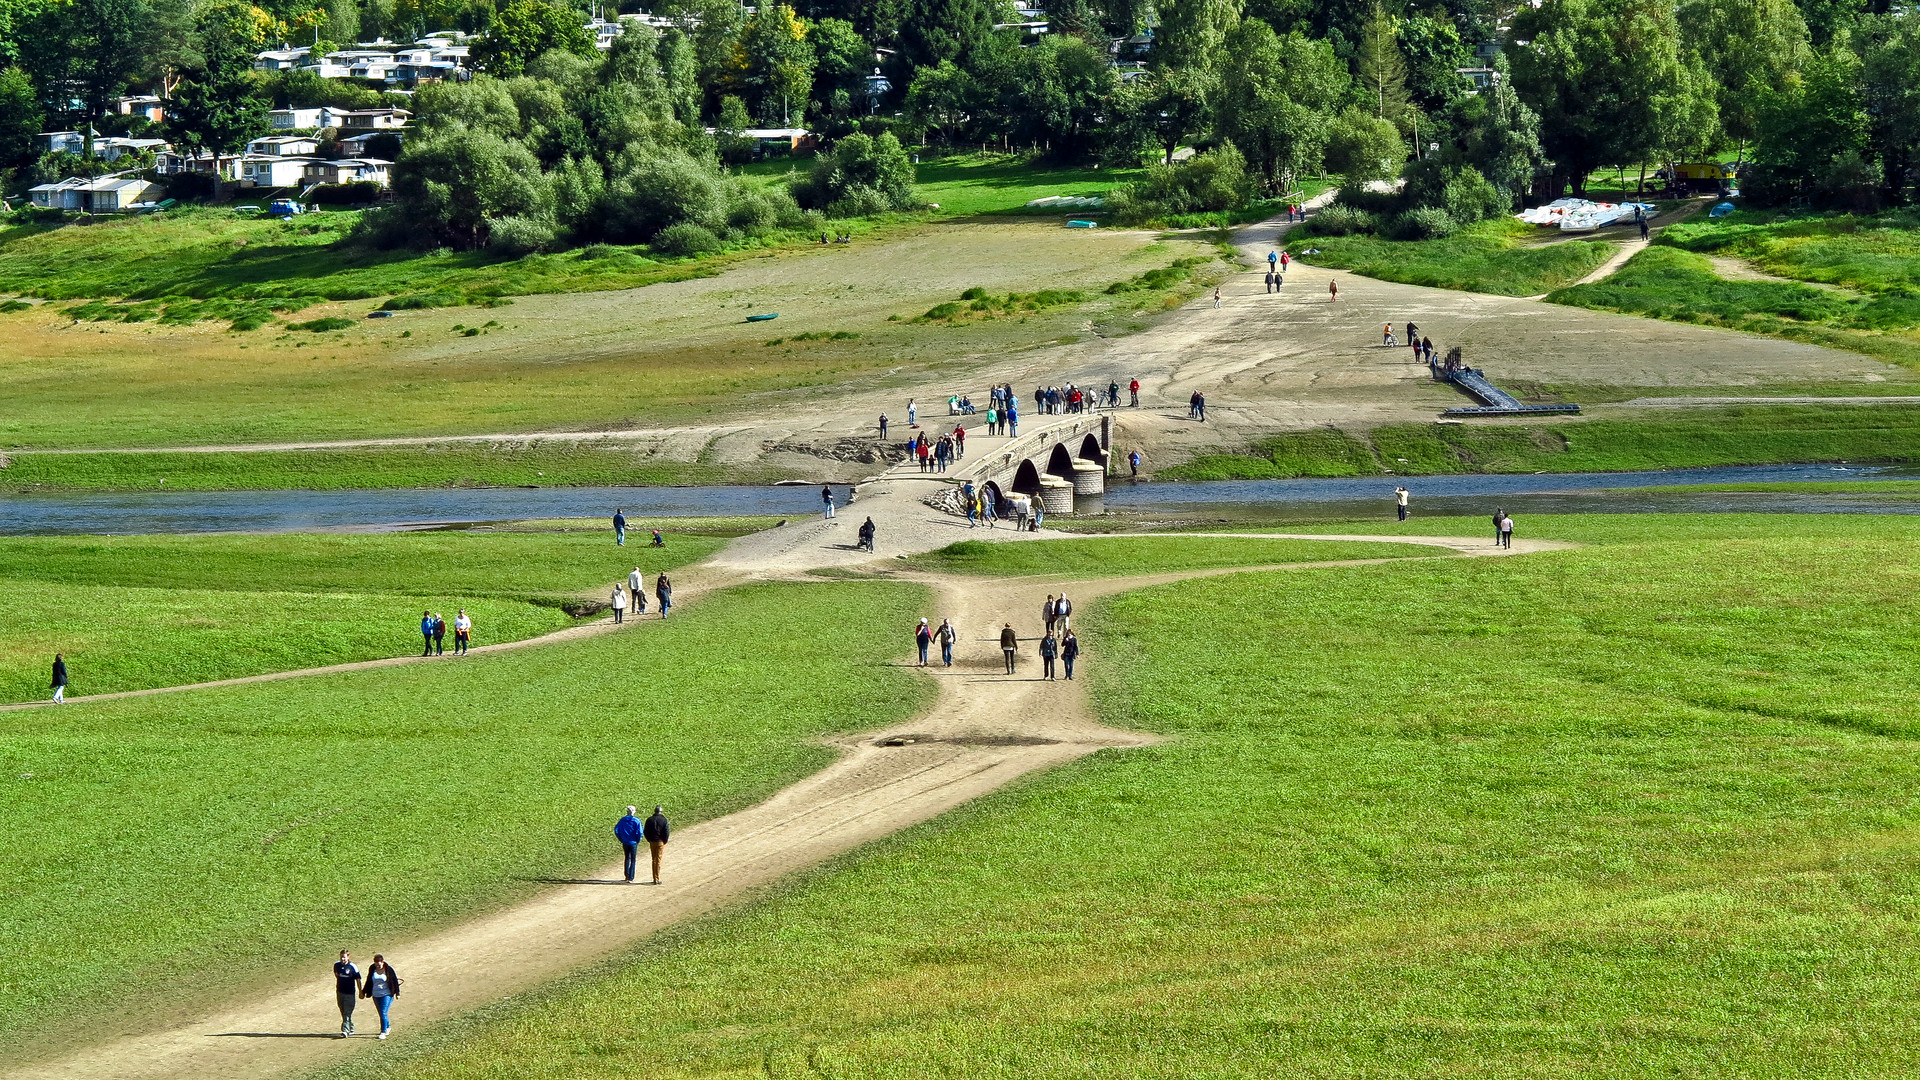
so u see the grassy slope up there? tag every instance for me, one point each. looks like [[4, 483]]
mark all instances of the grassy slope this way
[[1140, 555], [273, 822], [1486, 258], [1733, 435], [139, 611], [1676, 840], [1877, 254]]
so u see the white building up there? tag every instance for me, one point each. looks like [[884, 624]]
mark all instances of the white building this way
[[271, 170], [294, 119], [364, 119], [176, 162], [283, 146], [145, 105], [356, 145], [346, 171], [103, 195], [51, 142], [116, 147], [282, 59]]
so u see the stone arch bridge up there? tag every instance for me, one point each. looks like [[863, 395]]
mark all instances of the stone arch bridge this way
[[1055, 461]]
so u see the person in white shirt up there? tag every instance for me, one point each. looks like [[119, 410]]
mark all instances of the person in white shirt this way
[[637, 589], [462, 632], [619, 601], [1400, 496]]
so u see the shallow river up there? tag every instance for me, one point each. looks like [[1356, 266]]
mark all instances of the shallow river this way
[[1307, 499]]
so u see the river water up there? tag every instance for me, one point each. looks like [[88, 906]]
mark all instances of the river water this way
[[1305, 499]]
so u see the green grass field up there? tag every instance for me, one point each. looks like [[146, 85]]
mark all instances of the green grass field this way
[[141, 611], [1631, 811], [1731, 435], [1873, 254], [1120, 555], [265, 824], [1486, 258]]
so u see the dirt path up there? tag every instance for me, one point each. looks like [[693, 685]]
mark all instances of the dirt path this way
[[985, 730]]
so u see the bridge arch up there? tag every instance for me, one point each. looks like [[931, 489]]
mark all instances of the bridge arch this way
[[1091, 449], [1026, 479], [1060, 462]]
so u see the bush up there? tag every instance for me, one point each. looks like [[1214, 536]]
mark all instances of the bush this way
[[660, 190], [319, 326], [357, 193], [859, 201], [1340, 220], [1379, 204], [686, 238], [878, 167], [1424, 223], [1215, 180], [515, 235], [418, 301]]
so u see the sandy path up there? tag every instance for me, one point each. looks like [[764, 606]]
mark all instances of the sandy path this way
[[985, 730]]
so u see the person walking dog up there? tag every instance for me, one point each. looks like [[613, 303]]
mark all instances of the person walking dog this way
[[656, 831], [629, 832], [346, 988], [59, 679], [382, 985]]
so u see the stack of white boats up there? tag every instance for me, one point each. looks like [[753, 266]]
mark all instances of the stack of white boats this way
[[1579, 215]]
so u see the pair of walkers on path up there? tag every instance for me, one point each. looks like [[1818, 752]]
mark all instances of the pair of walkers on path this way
[[433, 633], [379, 983], [924, 636], [1065, 649], [634, 596], [654, 832]]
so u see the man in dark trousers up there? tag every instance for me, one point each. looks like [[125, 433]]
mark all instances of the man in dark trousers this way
[[627, 830], [1009, 642], [59, 679], [619, 528], [346, 987], [655, 831]]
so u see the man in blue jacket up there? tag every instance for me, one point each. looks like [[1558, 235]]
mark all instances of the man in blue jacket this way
[[627, 830], [656, 834], [620, 528], [426, 632]]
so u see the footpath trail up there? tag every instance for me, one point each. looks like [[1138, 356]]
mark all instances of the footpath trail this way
[[985, 730]]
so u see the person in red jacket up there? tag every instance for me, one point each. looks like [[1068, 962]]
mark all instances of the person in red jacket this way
[[1134, 387]]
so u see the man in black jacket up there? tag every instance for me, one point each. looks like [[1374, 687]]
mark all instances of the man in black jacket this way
[[656, 832]]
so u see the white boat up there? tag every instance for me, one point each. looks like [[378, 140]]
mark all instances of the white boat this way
[[1581, 215]]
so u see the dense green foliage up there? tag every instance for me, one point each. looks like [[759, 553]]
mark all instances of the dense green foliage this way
[[264, 823], [1630, 811], [1118, 555], [1486, 258], [1734, 435]]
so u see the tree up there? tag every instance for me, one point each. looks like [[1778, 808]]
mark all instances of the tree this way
[[735, 148], [450, 185], [941, 100], [1191, 32], [1608, 82], [1889, 48], [522, 31], [1274, 111], [1503, 142], [841, 60], [1362, 147], [863, 172], [83, 51], [1435, 53], [1814, 136], [939, 30], [1381, 70], [19, 121], [1173, 106], [776, 64], [218, 107], [1745, 47]]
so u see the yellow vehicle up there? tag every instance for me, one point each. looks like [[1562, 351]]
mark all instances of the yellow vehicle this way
[[1701, 175]]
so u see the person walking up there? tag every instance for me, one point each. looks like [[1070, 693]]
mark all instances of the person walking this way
[[619, 528], [922, 637], [426, 633], [619, 602], [656, 831], [1640, 219], [1009, 643], [1498, 516], [883, 427], [59, 679], [1039, 514], [1020, 504], [926, 455], [1063, 613], [1049, 611], [1400, 496], [1387, 336], [1413, 339], [826, 498], [1069, 652], [1506, 532], [382, 985], [947, 635], [346, 990], [1216, 298], [1200, 405], [439, 635], [1133, 462], [462, 632], [1133, 386], [1286, 260], [637, 591], [959, 441], [866, 541], [1333, 291], [663, 589], [913, 414], [629, 832], [1049, 649], [967, 501], [1273, 257]]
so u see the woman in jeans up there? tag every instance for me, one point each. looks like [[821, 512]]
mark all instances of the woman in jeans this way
[[381, 984]]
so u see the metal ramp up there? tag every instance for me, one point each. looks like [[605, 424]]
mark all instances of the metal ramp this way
[[1496, 402]]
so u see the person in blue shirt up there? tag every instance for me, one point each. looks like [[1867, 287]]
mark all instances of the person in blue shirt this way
[[346, 987], [619, 528], [426, 632], [627, 830]]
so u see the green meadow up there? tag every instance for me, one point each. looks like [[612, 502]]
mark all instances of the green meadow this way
[[1487, 258], [266, 824], [1655, 439], [141, 611], [1116, 556], [1639, 809]]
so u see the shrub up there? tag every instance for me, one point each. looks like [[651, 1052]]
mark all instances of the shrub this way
[[1215, 180], [319, 326], [859, 201], [1340, 220], [357, 193], [515, 235], [657, 190], [1424, 223], [686, 238], [417, 301], [875, 164]]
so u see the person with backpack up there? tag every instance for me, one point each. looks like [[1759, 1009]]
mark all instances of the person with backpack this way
[[1049, 649], [663, 589], [1133, 461], [462, 633], [922, 637], [1498, 514], [628, 831], [383, 986], [655, 832], [967, 501], [346, 990], [947, 635], [59, 679], [1069, 652]]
